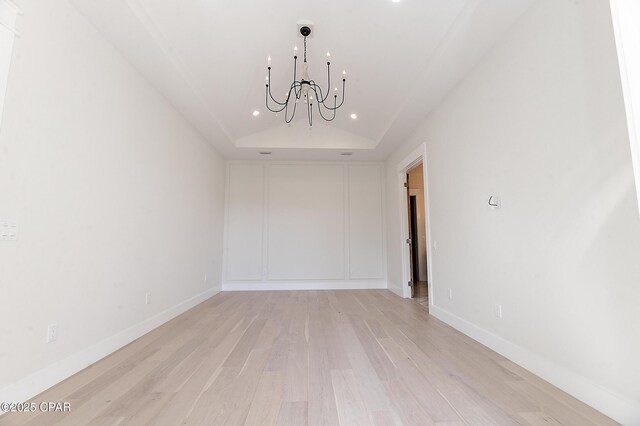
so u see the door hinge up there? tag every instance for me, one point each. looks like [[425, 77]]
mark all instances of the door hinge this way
[[409, 283], [406, 184], [408, 240]]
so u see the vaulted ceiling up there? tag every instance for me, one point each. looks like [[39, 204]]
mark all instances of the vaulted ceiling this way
[[209, 59]]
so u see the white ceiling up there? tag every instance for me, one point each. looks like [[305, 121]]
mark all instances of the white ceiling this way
[[209, 60]]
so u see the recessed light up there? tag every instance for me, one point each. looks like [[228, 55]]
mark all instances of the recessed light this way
[[265, 152], [256, 113], [396, 1], [354, 116]]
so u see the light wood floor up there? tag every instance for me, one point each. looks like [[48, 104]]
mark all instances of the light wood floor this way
[[422, 294], [315, 357]]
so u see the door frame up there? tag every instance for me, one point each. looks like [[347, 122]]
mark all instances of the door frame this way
[[417, 156]]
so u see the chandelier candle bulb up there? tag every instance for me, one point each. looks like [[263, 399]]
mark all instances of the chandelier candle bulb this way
[[269, 61]]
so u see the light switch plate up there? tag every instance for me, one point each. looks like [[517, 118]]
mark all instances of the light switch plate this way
[[8, 231], [52, 333]]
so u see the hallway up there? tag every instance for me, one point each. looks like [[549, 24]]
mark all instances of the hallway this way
[[421, 294]]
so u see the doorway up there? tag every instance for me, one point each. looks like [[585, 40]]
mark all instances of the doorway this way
[[415, 226], [417, 233]]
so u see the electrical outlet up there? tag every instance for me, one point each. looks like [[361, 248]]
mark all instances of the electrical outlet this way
[[499, 311], [52, 333], [147, 298], [435, 245], [450, 294]]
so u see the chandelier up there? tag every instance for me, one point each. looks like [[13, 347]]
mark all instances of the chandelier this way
[[305, 90]]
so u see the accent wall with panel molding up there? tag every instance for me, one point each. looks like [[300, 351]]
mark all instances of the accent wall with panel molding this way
[[304, 225]]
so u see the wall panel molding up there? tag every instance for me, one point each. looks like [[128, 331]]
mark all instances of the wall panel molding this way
[[321, 225], [245, 197]]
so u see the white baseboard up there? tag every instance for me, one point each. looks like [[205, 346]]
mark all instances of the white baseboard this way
[[36, 383], [396, 290], [618, 407], [303, 285]]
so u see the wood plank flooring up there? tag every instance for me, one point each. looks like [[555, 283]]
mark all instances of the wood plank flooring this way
[[421, 295], [362, 357]]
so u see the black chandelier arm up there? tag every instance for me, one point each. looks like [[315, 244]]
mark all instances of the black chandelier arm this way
[[326, 95], [269, 88], [316, 88], [267, 101], [292, 88], [342, 101], [321, 98], [293, 114], [328, 81], [284, 105], [333, 116], [297, 89], [335, 100]]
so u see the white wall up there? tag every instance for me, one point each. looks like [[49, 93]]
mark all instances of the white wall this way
[[540, 123], [115, 196], [299, 225]]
